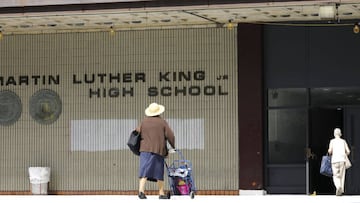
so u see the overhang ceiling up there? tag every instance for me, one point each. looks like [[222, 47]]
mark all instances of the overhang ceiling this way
[[163, 17]]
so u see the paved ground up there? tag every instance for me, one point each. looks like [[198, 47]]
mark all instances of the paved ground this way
[[199, 198]]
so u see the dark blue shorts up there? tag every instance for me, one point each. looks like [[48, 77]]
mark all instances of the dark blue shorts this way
[[151, 166]]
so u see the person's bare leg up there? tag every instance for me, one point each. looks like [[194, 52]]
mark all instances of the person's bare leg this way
[[142, 184], [161, 187]]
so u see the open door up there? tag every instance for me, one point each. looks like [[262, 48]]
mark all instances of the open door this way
[[352, 136], [322, 124]]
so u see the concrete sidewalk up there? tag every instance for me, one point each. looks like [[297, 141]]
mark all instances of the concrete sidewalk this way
[[199, 198]]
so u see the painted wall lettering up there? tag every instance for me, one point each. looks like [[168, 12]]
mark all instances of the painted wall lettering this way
[[29, 80], [181, 83]]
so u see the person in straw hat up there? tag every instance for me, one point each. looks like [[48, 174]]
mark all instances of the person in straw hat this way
[[339, 150], [155, 133]]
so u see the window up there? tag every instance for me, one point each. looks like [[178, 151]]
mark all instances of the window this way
[[286, 135], [287, 125], [287, 97]]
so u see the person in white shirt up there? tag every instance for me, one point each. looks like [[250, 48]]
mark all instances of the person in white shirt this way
[[338, 149]]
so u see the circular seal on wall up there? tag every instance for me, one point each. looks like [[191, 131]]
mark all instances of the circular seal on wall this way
[[45, 106], [10, 107]]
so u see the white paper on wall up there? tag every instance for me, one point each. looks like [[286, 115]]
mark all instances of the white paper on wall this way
[[112, 134], [101, 135], [189, 133]]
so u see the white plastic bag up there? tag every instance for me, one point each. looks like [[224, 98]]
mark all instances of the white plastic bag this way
[[180, 172], [347, 162], [38, 175]]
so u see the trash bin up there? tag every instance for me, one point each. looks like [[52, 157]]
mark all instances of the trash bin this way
[[39, 179]]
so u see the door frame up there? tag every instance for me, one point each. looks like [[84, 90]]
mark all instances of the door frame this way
[[352, 183]]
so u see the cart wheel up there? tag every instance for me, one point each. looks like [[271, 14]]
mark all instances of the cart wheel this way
[[192, 194], [168, 194]]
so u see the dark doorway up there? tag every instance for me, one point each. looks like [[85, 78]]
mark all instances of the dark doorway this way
[[322, 124]]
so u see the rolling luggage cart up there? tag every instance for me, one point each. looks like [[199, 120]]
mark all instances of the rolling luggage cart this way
[[180, 177]]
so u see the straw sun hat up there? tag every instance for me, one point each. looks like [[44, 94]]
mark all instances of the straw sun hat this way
[[154, 109]]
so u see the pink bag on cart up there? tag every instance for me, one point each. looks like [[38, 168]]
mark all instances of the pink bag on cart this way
[[183, 189]]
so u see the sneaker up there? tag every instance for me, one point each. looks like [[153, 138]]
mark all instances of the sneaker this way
[[141, 195]]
